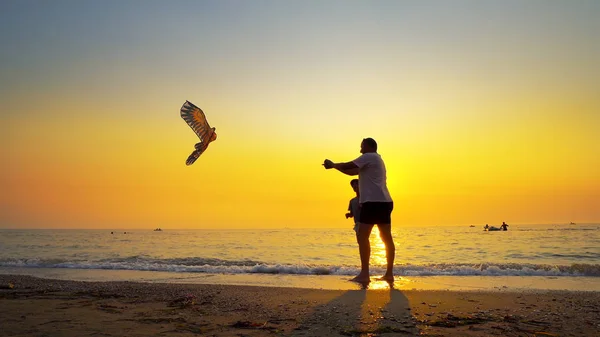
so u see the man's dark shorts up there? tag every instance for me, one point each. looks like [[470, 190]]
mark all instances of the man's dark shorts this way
[[376, 213]]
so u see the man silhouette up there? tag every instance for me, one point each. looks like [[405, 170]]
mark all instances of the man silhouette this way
[[376, 205]]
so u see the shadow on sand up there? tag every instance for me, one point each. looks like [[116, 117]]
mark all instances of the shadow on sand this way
[[377, 309]]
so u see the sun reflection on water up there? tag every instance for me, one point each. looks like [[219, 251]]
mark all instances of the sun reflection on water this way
[[377, 249], [379, 285]]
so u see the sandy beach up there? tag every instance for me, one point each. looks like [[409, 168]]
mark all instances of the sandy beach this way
[[32, 306]]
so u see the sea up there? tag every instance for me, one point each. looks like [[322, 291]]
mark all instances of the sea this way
[[525, 257]]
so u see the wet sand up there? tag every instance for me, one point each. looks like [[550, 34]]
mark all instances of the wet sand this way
[[32, 306]]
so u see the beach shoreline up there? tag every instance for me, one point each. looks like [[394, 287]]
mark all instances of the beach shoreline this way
[[326, 282], [33, 306]]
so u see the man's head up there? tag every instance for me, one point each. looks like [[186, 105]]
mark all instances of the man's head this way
[[368, 145], [354, 184]]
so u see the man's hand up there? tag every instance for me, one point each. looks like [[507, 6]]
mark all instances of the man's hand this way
[[328, 164], [348, 215]]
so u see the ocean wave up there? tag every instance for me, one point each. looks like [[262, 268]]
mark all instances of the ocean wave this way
[[217, 266], [590, 256], [188, 261]]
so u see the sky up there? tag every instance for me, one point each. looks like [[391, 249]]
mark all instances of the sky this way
[[484, 111]]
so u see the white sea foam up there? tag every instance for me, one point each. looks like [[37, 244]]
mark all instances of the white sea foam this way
[[238, 267]]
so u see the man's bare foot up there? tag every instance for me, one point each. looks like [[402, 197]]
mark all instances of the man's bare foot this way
[[361, 279], [386, 277]]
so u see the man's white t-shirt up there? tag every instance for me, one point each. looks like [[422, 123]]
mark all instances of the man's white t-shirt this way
[[372, 178]]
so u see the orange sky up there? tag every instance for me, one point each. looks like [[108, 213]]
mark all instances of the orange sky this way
[[479, 118]]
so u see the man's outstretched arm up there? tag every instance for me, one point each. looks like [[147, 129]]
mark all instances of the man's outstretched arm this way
[[348, 168]]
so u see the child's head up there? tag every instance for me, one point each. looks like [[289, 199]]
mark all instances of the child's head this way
[[354, 184]]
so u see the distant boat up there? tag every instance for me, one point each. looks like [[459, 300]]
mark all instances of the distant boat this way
[[488, 228], [158, 230], [572, 223], [472, 226]]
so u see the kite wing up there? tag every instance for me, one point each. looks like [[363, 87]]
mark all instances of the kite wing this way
[[195, 118]]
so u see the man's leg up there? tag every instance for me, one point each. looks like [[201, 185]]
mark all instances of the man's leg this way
[[364, 248], [385, 232]]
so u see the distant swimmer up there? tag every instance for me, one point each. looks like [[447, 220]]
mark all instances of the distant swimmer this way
[[504, 226]]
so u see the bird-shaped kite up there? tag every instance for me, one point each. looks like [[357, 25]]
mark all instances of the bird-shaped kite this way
[[195, 118]]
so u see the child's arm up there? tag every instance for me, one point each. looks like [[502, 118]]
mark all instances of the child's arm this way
[[349, 214]]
